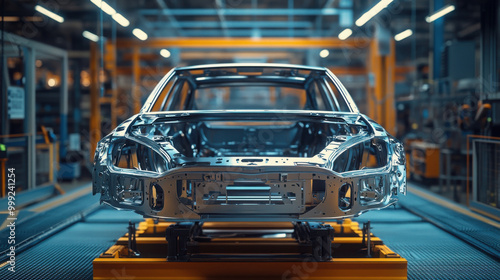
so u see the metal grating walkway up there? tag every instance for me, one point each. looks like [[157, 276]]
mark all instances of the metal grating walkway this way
[[69, 254], [431, 252], [39, 223], [477, 233]]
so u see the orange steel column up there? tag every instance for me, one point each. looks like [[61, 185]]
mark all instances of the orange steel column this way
[[380, 92], [390, 106], [95, 107], [374, 80], [110, 64], [136, 73]]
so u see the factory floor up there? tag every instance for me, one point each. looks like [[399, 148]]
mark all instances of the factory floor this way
[[439, 239]]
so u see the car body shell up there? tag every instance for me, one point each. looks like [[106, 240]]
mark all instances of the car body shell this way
[[250, 187]]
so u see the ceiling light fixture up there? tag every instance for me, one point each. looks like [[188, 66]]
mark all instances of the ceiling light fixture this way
[[165, 53], [50, 14], [345, 34], [403, 35], [51, 82], [105, 7], [91, 36], [372, 12], [121, 20], [141, 35], [443, 11], [324, 53]]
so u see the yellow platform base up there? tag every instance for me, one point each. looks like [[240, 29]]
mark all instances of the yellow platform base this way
[[349, 262]]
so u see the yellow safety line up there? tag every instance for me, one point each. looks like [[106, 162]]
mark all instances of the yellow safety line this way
[[7, 220], [491, 216], [4, 264], [450, 205]]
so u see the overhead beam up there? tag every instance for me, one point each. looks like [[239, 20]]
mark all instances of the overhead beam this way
[[250, 12], [239, 33], [166, 11], [244, 43], [42, 49], [234, 24], [190, 55]]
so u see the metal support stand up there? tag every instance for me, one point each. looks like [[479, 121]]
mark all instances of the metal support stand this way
[[184, 238], [132, 242], [178, 236], [318, 235], [367, 238], [250, 250]]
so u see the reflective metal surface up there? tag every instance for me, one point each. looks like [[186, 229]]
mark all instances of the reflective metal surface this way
[[323, 162]]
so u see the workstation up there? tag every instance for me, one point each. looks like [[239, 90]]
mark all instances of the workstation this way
[[250, 139]]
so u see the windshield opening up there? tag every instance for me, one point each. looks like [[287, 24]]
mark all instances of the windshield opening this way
[[250, 89]]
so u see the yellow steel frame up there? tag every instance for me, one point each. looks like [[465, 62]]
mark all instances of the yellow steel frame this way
[[244, 43], [115, 263], [341, 269]]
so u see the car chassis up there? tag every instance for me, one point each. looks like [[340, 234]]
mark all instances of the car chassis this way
[[326, 186]]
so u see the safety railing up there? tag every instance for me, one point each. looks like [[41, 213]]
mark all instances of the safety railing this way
[[13, 149], [485, 192]]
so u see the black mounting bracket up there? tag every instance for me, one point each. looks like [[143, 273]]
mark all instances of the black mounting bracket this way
[[132, 243], [318, 235], [178, 235]]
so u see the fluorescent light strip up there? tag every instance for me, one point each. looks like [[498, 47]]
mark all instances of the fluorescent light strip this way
[[91, 36], [121, 20], [324, 53], [443, 11], [165, 53], [105, 7], [50, 14], [403, 35], [345, 34], [373, 12], [141, 35]]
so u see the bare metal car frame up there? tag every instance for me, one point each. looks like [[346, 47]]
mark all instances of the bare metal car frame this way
[[325, 186]]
